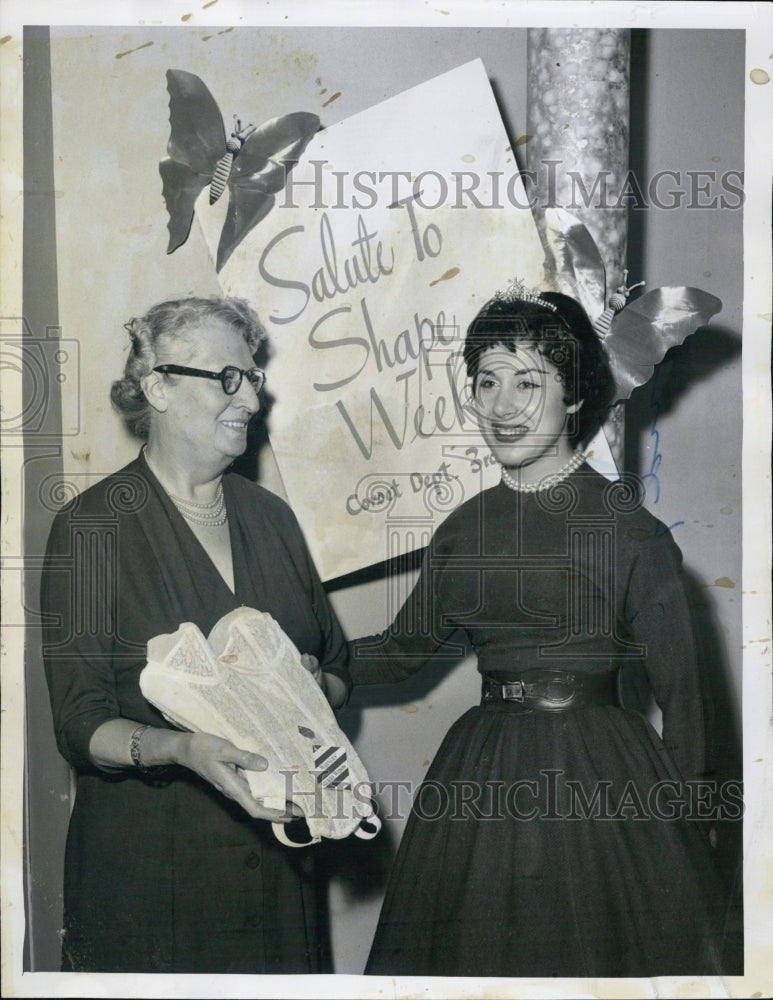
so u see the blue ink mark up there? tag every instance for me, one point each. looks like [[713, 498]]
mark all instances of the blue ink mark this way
[[666, 529], [657, 455]]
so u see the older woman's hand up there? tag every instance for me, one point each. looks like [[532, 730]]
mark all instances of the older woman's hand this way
[[212, 758], [222, 765]]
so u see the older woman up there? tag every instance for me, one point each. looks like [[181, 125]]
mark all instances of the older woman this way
[[170, 863], [556, 833]]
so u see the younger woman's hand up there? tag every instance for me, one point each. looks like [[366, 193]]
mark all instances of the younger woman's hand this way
[[311, 663]]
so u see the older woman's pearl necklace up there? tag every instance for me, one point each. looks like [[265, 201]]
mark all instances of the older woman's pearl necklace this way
[[210, 515], [571, 466]]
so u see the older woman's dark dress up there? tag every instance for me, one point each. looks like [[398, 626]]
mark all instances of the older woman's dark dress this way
[[550, 843], [162, 873]]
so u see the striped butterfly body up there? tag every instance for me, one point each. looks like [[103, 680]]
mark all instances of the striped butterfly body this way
[[223, 169]]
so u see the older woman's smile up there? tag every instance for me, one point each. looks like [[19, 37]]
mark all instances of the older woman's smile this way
[[236, 425]]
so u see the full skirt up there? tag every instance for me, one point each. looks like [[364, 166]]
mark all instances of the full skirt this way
[[553, 844]]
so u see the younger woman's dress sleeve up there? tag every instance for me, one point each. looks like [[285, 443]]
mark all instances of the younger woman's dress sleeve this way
[[659, 617], [420, 629]]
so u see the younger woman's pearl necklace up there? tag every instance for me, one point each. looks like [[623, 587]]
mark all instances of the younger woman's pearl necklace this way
[[544, 484], [211, 515]]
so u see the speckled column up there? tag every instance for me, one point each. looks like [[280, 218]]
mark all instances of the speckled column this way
[[578, 123], [578, 90]]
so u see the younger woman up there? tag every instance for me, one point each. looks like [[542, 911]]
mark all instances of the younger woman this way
[[555, 833]]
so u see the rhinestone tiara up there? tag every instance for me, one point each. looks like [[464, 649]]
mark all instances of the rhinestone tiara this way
[[517, 291]]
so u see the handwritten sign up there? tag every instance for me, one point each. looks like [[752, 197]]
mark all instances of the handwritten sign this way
[[392, 231]]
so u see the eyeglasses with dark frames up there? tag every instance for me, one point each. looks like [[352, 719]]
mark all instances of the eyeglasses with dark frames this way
[[230, 377]]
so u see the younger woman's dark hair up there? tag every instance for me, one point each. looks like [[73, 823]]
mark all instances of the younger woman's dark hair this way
[[163, 323], [559, 328]]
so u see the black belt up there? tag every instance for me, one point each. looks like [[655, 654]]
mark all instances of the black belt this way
[[547, 690]]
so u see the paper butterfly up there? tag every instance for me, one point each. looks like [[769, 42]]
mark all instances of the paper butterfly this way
[[252, 163], [638, 334]]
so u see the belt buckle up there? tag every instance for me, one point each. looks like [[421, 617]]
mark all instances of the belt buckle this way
[[513, 691]]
